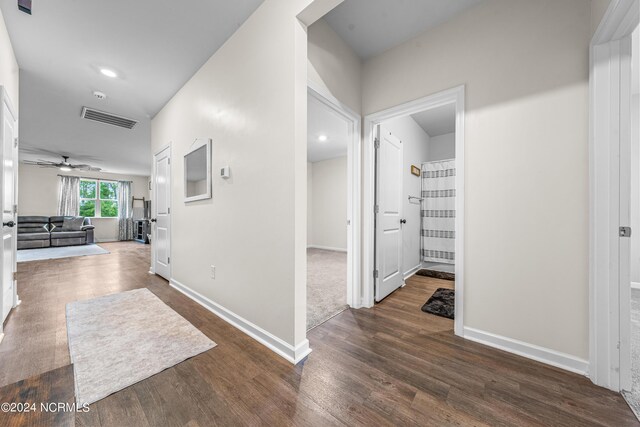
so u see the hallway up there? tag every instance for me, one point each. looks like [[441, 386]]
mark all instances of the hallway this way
[[392, 364]]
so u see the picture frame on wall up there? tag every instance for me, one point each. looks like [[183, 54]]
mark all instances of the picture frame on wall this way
[[415, 170]]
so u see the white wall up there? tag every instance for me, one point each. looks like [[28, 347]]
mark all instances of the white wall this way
[[250, 97], [442, 147], [415, 147], [38, 195], [333, 65], [328, 213], [525, 67], [9, 71]]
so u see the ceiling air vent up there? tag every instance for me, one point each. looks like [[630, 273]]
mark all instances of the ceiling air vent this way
[[108, 118]]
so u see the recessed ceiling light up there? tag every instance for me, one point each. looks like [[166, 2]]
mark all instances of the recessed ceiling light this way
[[109, 73], [322, 138]]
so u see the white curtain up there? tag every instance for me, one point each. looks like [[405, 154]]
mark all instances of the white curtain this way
[[125, 211], [439, 211], [69, 196]]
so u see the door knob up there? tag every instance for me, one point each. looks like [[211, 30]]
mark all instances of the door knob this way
[[403, 221], [153, 219], [8, 224]]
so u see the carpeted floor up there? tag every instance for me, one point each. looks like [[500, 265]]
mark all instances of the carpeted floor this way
[[39, 254], [633, 398], [326, 285]]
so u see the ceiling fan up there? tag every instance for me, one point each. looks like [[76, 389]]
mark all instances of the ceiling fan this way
[[64, 166]]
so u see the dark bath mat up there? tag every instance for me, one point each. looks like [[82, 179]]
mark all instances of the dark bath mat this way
[[441, 303], [436, 274]]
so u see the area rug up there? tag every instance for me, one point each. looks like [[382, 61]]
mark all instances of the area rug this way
[[326, 285], [441, 303], [436, 274], [118, 340], [633, 397], [39, 254]]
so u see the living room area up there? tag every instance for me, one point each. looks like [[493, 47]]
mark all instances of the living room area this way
[[74, 213]]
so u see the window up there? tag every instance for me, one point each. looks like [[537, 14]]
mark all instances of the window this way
[[98, 199]]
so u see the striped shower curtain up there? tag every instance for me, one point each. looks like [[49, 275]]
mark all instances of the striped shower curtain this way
[[439, 211]]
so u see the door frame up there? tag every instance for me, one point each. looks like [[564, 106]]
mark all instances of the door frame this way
[[154, 198], [319, 93], [5, 100], [454, 96], [609, 104]]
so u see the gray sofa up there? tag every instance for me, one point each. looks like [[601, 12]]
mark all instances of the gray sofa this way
[[44, 231]]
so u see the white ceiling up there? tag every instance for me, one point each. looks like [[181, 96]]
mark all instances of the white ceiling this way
[[321, 120], [437, 121], [154, 45], [370, 27]]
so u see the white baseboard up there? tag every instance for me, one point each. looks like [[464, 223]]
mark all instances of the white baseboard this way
[[413, 271], [1, 337], [635, 285], [277, 345], [326, 248], [106, 240], [530, 351]]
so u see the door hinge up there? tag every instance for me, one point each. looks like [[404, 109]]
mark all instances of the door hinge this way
[[15, 142], [625, 232], [169, 161], [168, 260], [168, 210], [376, 143], [376, 209], [375, 274], [15, 209], [15, 276]]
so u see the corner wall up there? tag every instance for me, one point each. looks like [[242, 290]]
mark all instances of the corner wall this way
[[334, 66], [328, 216], [525, 67], [250, 98]]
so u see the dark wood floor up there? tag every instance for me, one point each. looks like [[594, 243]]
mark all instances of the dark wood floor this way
[[390, 365]]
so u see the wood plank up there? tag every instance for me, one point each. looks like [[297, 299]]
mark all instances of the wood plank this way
[[389, 365]]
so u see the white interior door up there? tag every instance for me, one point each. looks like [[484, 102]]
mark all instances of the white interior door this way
[[9, 167], [162, 213], [388, 213]]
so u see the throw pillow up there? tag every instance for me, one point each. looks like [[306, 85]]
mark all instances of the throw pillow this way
[[73, 223]]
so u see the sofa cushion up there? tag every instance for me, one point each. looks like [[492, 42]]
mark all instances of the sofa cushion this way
[[73, 223], [68, 234], [33, 236], [32, 228], [33, 219]]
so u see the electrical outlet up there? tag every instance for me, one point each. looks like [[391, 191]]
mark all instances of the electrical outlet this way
[[213, 271]]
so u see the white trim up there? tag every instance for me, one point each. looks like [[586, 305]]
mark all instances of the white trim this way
[[635, 285], [608, 87], [326, 248], [1, 337], [451, 96], [107, 240], [412, 271], [287, 351], [530, 351], [354, 185]]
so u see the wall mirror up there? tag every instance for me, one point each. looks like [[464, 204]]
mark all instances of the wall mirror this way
[[197, 171]]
